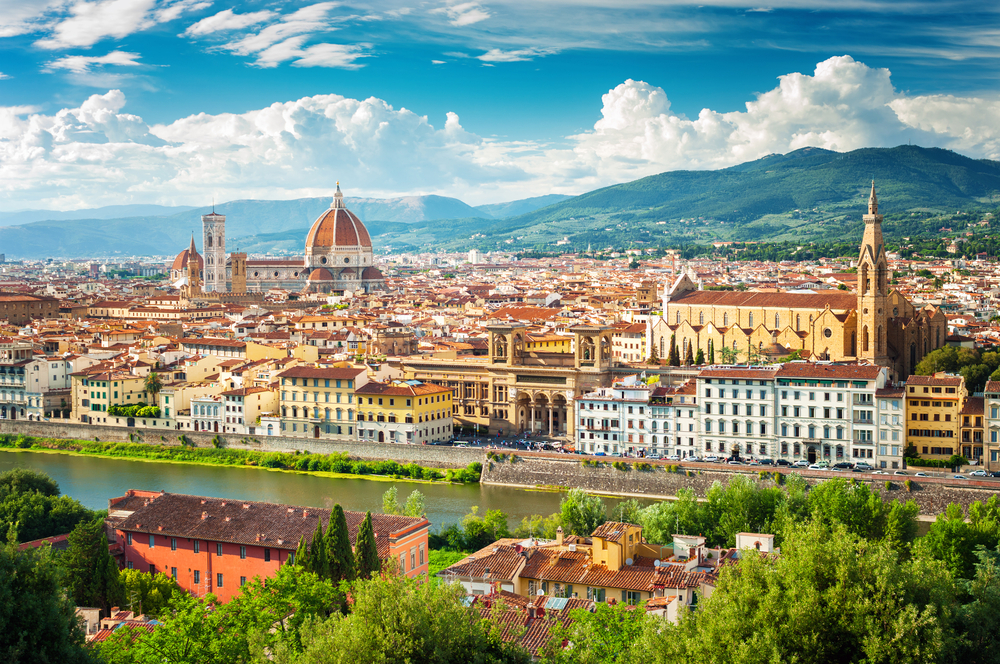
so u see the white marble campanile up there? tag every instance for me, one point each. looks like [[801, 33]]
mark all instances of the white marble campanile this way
[[214, 248]]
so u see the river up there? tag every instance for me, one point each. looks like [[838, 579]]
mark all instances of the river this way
[[93, 480]]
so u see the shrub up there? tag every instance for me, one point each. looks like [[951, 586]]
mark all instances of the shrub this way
[[888, 485], [620, 465], [642, 465], [909, 485]]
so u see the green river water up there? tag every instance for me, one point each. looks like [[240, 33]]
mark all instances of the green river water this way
[[93, 480]]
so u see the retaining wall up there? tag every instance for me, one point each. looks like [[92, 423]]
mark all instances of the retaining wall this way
[[425, 455], [932, 495]]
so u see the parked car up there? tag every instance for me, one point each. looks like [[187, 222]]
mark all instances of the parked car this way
[[900, 472], [767, 462], [712, 458], [835, 469], [843, 465], [979, 473], [995, 474], [879, 472], [959, 477], [816, 466], [863, 467], [735, 462], [674, 457], [654, 457], [801, 463], [616, 454], [782, 462], [694, 459], [921, 475]]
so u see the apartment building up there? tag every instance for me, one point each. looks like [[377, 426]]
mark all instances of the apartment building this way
[[891, 427], [933, 408], [319, 402], [991, 435], [404, 412], [614, 419], [737, 410]]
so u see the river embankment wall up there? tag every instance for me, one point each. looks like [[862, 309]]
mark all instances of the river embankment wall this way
[[425, 455], [932, 495]]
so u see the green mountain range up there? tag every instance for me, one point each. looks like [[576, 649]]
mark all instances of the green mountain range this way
[[808, 194]]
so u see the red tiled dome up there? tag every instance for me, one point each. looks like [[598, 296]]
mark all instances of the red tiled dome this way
[[181, 262], [371, 273], [320, 274], [338, 227]]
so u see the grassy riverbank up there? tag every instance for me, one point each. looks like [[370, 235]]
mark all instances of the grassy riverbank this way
[[339, 464]]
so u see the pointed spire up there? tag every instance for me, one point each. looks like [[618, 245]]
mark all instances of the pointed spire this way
[[338, 198], [873, 201], [191, 249]]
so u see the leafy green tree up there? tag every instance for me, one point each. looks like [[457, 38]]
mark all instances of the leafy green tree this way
[[699, 357], [683, 516], [627, 511], [37, 619], [954, 541], [93, 577], [728, 355], [863, 511], [390, 502], [366, 560], [978, 619], [397, 619], [608, 634], [416, 504], [25, 480], [818, 602], [318, 563], [479, 532], [147, 593], [582, 513], [339, 556], [152, 384], [302, 555], [30, 503], [742, 505], [538, 526]]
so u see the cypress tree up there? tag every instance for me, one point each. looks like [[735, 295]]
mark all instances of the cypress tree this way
[[366, 558], [92, 572], [689, 358], [317, 552], [302, 555], [339, 556], [699, 357], [675, 356], [711, 352]]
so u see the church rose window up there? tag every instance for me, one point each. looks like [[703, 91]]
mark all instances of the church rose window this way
[[323, 260], [827, 332]]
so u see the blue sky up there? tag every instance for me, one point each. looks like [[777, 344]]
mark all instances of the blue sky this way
[[170, 101]]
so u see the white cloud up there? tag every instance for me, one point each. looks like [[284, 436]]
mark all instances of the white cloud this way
[[81, 64], [519, 55], [3, 76], [465, 13], [90, 22], [332, 55], [227, 20], [437, 62], [18, 17], [98, 154]]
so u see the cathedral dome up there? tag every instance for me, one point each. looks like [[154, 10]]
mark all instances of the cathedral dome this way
[[320, 274], [338, 227], [372, 273], [181, 262]]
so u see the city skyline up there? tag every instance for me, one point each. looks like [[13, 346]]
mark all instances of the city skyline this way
[[139, 101]]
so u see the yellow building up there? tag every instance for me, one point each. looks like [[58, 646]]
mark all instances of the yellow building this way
[[548, 343], [933, 407], [404, 412], [318, 402], [628, 343], [245, 405], [98, 388], [876, 324]]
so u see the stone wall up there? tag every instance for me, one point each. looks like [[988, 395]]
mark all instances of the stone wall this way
[[932, 495], [425, 455]]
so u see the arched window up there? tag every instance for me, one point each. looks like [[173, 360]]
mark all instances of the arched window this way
[[798, 322], [777, 322], [677, 318], [864, 339], [750, 319], [725, 320], [701, 317], [663, 346]]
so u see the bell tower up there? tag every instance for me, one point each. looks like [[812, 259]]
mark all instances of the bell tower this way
[[873, 285], [214, 245]]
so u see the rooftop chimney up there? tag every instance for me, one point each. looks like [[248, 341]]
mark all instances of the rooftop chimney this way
[[559, 536], [204, 515]]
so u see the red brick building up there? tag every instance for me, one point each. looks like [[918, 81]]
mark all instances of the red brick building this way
[[217, 545]]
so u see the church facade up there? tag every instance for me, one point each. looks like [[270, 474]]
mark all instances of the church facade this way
[[338, 257], [876, 324]]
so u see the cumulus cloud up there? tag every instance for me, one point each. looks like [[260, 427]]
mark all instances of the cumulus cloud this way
[[227, 20], [90, 22], [99, 154], [81, 64], [18, 17]]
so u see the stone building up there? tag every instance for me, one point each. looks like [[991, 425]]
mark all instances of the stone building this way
[[338, 257], [514, 390], [877, 324]]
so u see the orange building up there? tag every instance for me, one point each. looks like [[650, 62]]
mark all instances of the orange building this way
[[216, 545]]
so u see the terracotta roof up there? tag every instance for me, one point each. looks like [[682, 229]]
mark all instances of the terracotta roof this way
[[973, 406], [829, 371], [735, 372], [937, 381], [246, 522], [181, 262], [317, 372], [837, 299], [320, 274], [338, 227], [397, 389], [992, 386]]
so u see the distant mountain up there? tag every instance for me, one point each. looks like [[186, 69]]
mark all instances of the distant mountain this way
[[803, 195], [107, 212], [807, 194], [523, 206]]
